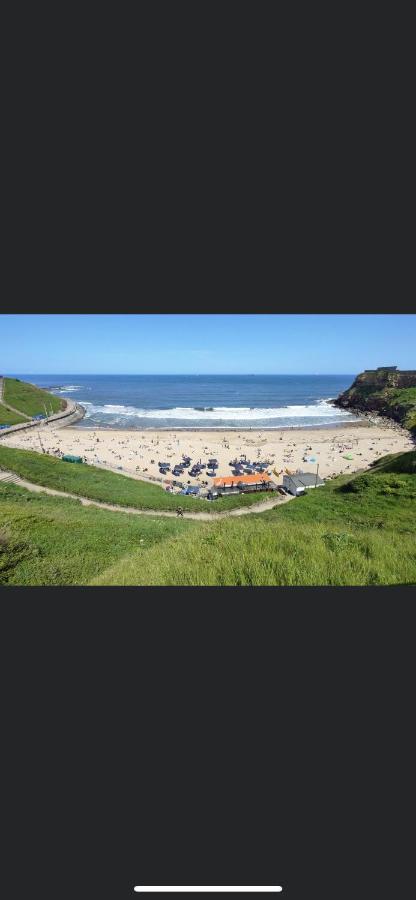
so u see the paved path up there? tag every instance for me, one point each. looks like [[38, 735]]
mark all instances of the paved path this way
[[12, 478], [69, 416]]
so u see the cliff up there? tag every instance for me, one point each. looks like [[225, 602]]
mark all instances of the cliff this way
[[387, 391]]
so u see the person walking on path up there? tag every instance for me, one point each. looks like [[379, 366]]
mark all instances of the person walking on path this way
[[179, 511]]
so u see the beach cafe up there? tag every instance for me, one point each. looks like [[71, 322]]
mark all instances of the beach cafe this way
[[242, 484]]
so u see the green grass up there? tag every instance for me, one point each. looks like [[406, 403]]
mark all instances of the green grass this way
[[404, 395], [7, 417], [29, 399], [247, 553], [406, 399], [109, 487], [332, 536], [398, 463], [50, 541], [358, 530]]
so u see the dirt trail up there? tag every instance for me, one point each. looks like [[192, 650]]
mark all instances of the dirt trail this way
[[12, 478]]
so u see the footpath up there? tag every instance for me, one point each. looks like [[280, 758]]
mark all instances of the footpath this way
[[12, 478]]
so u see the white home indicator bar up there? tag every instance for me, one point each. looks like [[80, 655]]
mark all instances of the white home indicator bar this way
[[208, 890]]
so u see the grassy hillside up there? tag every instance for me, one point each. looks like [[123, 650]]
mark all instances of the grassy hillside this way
[[397, 463], [405, 400], [9, 418], [45, 540], [29, 399], [357, 531], [109, 487]]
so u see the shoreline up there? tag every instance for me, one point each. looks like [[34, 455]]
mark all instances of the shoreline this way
[[362, 419], [359, 418], [221, 429]]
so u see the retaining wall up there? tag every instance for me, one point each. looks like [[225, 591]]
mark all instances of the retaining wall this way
[[72, 410]]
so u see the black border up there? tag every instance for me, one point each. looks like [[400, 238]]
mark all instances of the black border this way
[[164, 732], [300, 292]]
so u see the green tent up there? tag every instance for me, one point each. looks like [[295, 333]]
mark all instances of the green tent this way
[[73, 459]]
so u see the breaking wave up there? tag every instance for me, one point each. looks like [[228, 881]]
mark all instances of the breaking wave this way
[[240, 414], [66, 388]]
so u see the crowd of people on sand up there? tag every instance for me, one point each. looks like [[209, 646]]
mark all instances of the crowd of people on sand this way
[[336, 451]]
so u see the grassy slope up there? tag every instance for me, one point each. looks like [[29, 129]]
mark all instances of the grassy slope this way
[[406, 397], [333, 536], [46, 540], [30, 399], [358, 530], [9, 418], [99, 484], [398, 463]]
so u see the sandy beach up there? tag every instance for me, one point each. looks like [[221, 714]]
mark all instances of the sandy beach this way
[[137, 453]]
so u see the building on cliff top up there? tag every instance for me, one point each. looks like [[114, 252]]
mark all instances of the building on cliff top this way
[[383, 369]]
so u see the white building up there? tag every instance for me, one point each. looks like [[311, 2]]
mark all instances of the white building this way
[[301, 482]]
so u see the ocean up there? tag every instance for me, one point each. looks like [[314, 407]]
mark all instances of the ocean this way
[[202, 401]]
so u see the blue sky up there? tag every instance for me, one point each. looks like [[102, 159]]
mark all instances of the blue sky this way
[[201, 344]]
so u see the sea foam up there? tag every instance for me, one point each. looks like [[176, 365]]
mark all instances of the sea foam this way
[[322, 410]]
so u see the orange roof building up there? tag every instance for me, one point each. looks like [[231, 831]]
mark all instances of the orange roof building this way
[[235, 480]]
